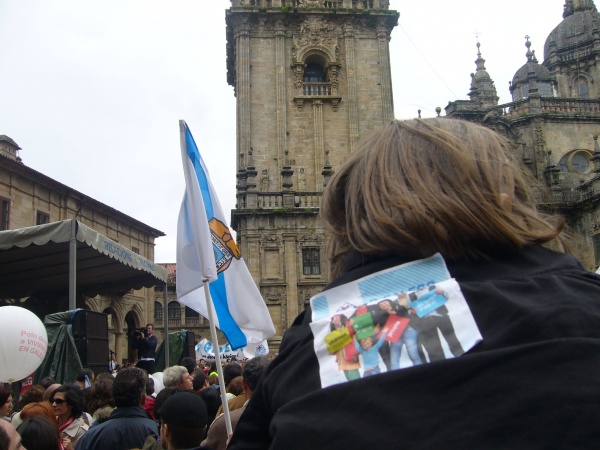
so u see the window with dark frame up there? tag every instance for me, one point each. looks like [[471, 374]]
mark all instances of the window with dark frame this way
[[158, 310], [4, 213], [42, 218], [190, 313], [596, 242], [311, 261], [174, 311]]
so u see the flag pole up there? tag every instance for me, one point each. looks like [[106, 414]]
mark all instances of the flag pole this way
[[213, 334]]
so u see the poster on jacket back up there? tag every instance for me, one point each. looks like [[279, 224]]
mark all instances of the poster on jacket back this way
[[395, 319]]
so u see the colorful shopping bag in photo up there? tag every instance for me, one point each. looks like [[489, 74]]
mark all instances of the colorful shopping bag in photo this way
[[337, 339], [363, 326], [394, 327]]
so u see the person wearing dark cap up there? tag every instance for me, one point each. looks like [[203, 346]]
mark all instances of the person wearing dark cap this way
[[183, 420]]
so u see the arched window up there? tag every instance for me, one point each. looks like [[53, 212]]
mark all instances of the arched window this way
[[158, 311], [189, 312], [314, 73], [174, 310], [582, 88]]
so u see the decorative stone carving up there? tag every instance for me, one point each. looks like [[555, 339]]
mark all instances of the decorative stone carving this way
[[273, 295], [270, 240], [316, 30]]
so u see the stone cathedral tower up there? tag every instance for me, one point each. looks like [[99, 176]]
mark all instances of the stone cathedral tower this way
[[310, 77]]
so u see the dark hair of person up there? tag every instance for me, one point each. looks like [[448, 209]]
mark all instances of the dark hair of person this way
[[163, 395], [4, 439], [38, 433], [129, 386], [5, 392], [230, 371], [74, 397], [199, 379], [99, 395], [213, 400], [235, 386], [150, 387], [46, 382], [34, 394], [104, 376], [417, 187], [213, 367], [82, 374], [150, 325], [254, 370], [186, 437], [213, 380], [189, 363], [343, 320]]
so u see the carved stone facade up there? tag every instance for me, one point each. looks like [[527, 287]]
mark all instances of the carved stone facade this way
[[554, 122], [310, 77], [31, 198]]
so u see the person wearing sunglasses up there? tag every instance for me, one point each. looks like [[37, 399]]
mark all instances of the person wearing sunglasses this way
[[67, 402]]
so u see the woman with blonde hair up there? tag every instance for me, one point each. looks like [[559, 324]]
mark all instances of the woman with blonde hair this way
[[409, 191]]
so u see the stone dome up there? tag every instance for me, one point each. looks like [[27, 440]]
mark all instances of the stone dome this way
[[534, 72], [576, 31], [536, 69]]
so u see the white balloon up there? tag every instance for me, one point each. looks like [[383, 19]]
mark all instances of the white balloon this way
[[23, 343], [158, 382]]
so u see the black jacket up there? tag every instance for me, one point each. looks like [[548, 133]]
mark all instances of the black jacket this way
[[533, 382]]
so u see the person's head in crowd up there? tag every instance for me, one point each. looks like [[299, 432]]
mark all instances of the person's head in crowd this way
[[67, 402], [38, 433], [85, 378], [253, 371], [189, 363], [46, 382], [50, 390], [163, 395], [177, 376], [104, 376], [100, 394], [6, 401], [34, 394], [213, 401], [129, 387], [183, 418], [200, 380], [150, 387], [230, 371], [39, 409], [418, 187], [213, 380], [235, 386], [9, 437]]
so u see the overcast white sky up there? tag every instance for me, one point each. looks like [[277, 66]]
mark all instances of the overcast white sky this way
[[92, 90]]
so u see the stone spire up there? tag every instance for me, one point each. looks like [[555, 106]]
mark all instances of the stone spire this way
[[573, 6], [483, 90]]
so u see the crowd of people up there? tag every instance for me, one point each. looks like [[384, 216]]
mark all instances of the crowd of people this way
[[123, 410]]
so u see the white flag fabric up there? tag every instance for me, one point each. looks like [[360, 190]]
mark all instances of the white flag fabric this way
[[206, 252]]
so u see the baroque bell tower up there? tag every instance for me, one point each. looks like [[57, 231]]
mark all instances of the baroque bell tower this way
[[310, 77]]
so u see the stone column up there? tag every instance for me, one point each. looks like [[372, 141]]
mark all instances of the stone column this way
[[351, 80], [319, 149], [121, 353], [243, 87], [387, 105], [291, 274], [280, 92]]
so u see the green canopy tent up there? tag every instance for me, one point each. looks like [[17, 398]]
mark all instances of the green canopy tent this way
[[70, 257]]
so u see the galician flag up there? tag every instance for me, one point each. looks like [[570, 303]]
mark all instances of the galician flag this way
[[206, 252]]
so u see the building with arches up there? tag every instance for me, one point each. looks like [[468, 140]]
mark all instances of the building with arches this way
[[310, 77], [554, 120], [28, 198]]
